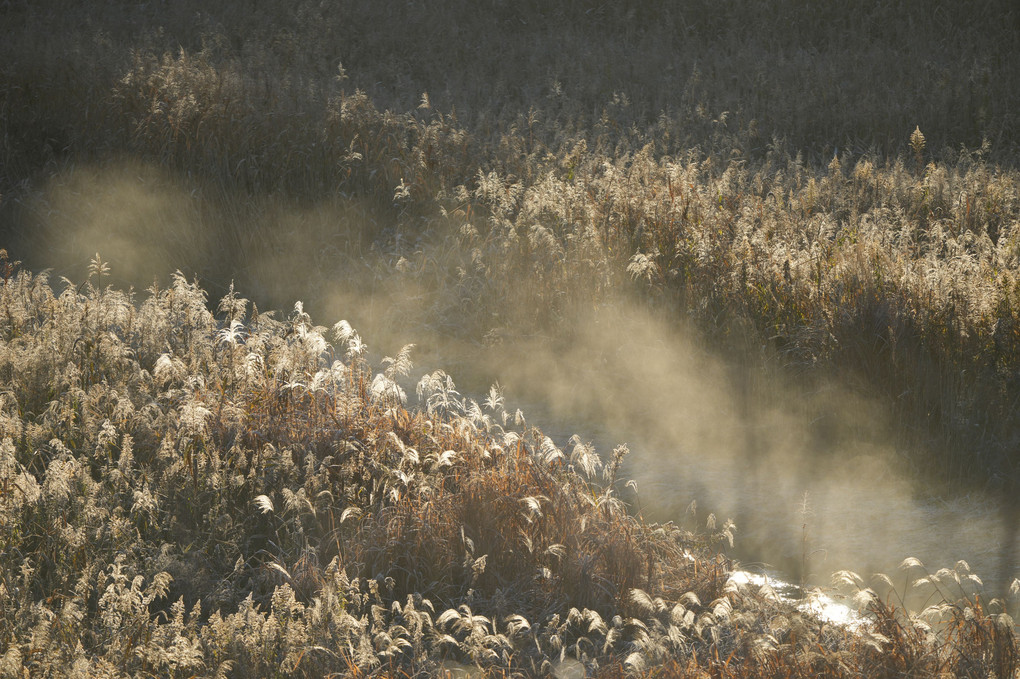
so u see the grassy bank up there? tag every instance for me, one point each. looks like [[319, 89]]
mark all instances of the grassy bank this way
[[189, 494]]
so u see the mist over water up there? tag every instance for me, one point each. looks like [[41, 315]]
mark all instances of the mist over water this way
[[810, 477]]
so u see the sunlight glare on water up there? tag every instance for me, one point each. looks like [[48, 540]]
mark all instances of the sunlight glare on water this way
[[818, 603]]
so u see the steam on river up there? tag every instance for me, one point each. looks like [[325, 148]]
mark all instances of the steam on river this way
[[810, 479]]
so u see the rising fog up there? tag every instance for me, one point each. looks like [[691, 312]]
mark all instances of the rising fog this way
[[807, 469]]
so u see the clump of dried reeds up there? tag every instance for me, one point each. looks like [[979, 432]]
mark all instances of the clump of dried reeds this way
[[189, 494], [184, 494]]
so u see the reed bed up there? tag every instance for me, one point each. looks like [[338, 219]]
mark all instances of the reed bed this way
[[206, 490], [196, 494], [836, 186]]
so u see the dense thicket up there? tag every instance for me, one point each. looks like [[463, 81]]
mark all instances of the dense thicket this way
[[188, 495]]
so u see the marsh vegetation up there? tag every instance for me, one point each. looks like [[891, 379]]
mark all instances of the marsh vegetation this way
[[773, 246]]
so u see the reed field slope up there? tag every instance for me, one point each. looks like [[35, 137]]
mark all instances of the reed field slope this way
[[816, 194], [185, 495]]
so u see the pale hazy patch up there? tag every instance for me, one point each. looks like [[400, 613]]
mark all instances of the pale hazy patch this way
[[145, 224]]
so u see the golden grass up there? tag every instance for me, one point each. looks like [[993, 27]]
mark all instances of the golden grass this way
[[190, 496], [727, 179], [833, 187]]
